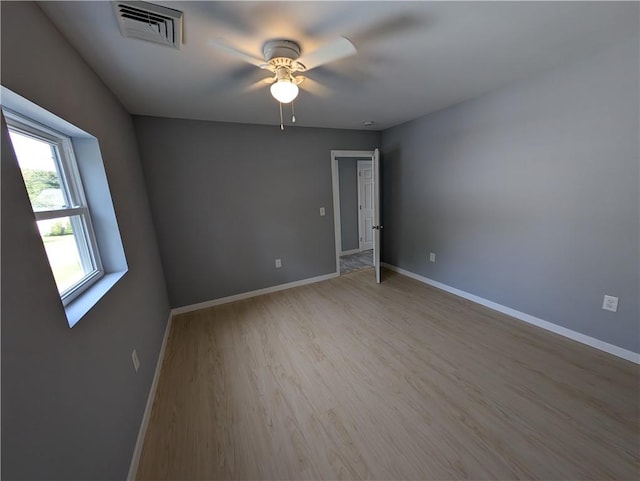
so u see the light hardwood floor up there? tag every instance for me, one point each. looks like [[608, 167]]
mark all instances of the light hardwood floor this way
[[347, 379]]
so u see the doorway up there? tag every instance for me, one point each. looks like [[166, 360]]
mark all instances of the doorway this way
[[354, 213]]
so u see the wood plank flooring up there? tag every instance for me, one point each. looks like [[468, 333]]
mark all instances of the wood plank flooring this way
[[347, 379]]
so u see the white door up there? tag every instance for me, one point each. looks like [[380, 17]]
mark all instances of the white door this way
[[365, 204], [376, 213]]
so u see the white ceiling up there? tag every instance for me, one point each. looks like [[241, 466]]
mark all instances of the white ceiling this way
[[413, 57]]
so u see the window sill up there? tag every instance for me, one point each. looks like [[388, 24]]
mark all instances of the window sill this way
[[89, 298]]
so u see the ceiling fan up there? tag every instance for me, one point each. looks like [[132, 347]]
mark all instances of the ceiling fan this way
[[282, 57]]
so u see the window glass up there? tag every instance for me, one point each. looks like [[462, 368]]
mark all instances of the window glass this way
[[51, 178], [63, 251], [39, 166]]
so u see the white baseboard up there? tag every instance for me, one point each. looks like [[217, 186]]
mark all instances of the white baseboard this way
[[135, 459], [247, 295], [349, 252], [549, 326]]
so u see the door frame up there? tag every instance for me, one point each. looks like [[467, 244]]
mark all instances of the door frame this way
[[335, 186]]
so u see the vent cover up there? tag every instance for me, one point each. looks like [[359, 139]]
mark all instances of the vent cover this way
[[150, 22]]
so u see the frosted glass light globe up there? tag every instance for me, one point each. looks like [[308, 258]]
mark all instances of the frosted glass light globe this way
[[284, 91]]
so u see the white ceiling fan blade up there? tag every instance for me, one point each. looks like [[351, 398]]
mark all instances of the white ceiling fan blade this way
[[338, 49], [259, 84], [314, 87], [222, 45]]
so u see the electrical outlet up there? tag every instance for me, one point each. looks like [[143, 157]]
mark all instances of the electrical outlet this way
[[432, 257], [278, 263], [610, 303], [135, 360], [322, 212]]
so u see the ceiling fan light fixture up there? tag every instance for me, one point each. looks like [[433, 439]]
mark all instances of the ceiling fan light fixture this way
[[284, 91], [285, 88]]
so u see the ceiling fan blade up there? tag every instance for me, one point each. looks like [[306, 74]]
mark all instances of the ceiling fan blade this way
[[315, 88], [337, 49], [222, 45], [259, 84], [339, 80], [234, 78], [388, 28]]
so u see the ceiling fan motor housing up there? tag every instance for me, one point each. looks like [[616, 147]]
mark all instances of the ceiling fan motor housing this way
[[281, 49]]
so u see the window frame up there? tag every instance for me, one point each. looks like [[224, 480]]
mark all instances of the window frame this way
[[77, 209]]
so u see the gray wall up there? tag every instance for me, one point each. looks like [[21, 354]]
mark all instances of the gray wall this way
[[348, 177], [228, 199], [528, 196], [71, 403]]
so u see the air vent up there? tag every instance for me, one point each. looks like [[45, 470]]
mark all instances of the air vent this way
[[150, 22]]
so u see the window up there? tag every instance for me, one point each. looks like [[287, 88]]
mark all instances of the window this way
[[50, 172], [56, 159]]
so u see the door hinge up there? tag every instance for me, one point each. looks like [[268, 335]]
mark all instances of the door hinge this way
[[360, 207]]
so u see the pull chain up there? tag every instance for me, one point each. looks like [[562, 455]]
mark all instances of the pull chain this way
[[293, 113], [281, 121]]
